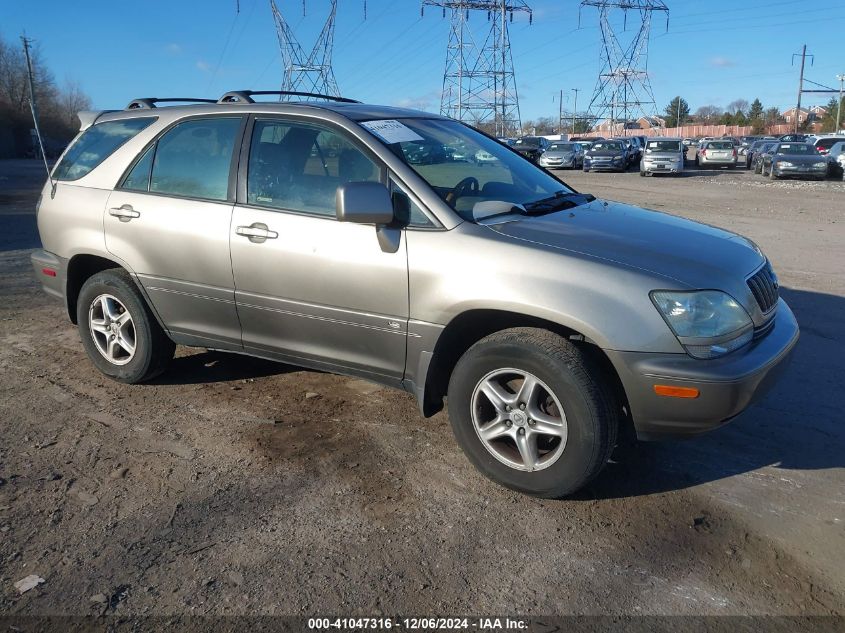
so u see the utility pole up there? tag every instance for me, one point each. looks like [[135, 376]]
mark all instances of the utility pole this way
[[560, 113], [800, 85], [32, 106], [575, 109], [678, 118], [841, 79]]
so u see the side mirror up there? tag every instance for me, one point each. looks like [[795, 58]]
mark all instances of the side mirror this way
[[364, 203]]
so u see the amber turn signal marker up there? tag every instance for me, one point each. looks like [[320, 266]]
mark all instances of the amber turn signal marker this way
[[676, 392]]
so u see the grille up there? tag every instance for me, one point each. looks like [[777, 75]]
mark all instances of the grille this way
[[764, 287]]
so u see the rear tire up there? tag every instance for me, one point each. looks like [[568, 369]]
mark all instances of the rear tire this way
[[563, 436], [118, 331]]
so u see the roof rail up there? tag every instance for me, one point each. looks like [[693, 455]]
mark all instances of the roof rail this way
[[245, 96], [146, 103]]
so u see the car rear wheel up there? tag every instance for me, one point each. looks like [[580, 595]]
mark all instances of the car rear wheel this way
[[118, 331], [532, 412]]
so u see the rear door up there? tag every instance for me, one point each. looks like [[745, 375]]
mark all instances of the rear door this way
[[311, 289], [169, 221]]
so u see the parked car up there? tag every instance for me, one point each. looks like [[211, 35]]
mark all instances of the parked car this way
[[824, 143], [794, 160], [606, 156], [745, 142], [630, 149], [700, 145], [483, 157], [563, 154], [720, 153], [750, 151], [836, 159], [532, 147], [548, 318], [761, 153], [689, 142], [663, 155]]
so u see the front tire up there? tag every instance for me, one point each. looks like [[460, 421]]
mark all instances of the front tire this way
[[118, 331], [532, 412]]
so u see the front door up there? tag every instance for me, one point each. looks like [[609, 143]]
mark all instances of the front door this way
[[169, 221], [309, 288]]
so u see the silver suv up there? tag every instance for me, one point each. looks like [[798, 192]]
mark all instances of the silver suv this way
[[345, 237]]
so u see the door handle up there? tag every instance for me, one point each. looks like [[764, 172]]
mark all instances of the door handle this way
[[256, 232], [124, 213]]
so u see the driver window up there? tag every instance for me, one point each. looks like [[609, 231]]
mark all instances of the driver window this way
[[299, 167]]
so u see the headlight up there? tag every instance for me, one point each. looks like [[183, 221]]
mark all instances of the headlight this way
[[708, 323], [784, 163], [819, 165]]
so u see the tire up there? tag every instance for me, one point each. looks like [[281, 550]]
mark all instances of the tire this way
[[586, 170], [772, 175], [574, 164], [107, 296], [566, 375], [642, 174]]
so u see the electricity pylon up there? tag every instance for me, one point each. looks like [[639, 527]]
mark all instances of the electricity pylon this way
[[623, 88], [479, 83], [312, 72]]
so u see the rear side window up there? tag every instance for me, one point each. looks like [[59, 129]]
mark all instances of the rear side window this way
[[193, 159], [96, 144]]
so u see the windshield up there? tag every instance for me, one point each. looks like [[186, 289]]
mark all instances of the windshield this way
[[796, 148], [663, 146], [561, 147], [607, 146], [484, 171], [533, 141]]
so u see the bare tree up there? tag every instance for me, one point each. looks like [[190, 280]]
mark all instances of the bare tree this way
[[72, 99], [708, 113], [738, 105]]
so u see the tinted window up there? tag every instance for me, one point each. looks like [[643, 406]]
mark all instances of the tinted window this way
[[720, 145], [193, 158], [299, 167], [615, 147], [827, 142], [96, 144], [139, 178]]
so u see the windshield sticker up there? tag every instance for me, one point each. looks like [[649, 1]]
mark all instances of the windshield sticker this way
[[392, 131]]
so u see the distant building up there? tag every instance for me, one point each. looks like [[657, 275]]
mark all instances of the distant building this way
[[643, 123], [805, 114]]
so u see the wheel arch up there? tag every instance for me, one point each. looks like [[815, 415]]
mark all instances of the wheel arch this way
[[469, 327], [82, 267]]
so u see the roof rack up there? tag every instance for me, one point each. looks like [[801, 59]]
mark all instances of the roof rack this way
[[150, 102], [245, 96]]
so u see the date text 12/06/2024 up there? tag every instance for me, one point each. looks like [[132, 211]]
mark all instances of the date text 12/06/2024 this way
[[419, 624]]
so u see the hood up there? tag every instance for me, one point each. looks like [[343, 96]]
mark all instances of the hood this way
[[605, 152], [692, 254], [558, 153]]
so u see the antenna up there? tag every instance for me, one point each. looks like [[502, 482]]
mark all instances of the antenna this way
[[623, 86], [479, 83], [33, 108]]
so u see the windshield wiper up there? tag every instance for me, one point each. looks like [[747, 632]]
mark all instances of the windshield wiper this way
[[559, 201]]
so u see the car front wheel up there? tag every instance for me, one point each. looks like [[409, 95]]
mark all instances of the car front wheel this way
[[118, 331], [531, 411]]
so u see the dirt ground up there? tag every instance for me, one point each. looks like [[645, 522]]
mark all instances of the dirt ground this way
[[237, 486]]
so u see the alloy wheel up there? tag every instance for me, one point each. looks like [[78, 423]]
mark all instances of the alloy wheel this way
[[112, 329], [518, 419]]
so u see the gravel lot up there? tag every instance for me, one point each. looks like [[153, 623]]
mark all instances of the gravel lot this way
[[238, 486]]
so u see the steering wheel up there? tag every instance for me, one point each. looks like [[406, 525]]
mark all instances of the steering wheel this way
[[466, 186]]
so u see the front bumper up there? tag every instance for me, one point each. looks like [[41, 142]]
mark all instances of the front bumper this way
[[661, 167], [51, 272], [800, 170], [727, 385], [604, 165]]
